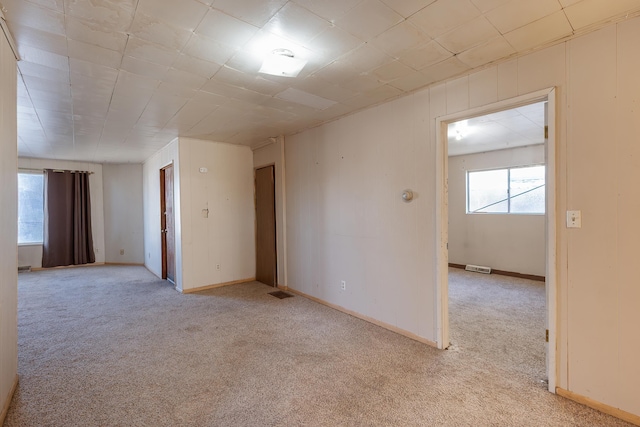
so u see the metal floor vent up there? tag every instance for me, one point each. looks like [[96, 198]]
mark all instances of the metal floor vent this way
[[280, 294], [478, 268]]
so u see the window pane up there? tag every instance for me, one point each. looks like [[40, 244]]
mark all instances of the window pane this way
[[488, 191], [527, 190], [30, 208]]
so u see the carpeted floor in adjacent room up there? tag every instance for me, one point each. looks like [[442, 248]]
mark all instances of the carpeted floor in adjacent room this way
[[115, 346]]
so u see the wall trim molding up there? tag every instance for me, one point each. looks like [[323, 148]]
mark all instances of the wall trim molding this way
[[368, 319], [217, 285], [93, 264], [506, 273], [599, 406], [7, 402]]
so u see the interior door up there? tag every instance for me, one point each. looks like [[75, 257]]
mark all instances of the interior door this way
[[266, 259], [167, 224]]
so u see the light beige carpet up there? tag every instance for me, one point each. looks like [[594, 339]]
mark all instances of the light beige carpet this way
[[115, 346]]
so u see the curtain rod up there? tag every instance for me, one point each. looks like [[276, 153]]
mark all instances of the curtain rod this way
[[55, 170]]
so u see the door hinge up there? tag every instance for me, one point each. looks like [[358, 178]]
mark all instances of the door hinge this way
[[546, 335]]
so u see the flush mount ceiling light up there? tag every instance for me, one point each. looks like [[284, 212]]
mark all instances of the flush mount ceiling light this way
[[282, 62]]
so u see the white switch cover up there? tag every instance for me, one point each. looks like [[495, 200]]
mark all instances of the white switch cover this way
[[574, 219], [204, 170]]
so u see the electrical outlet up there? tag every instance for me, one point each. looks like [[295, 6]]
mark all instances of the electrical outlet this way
[[218, 267], [343, 285]]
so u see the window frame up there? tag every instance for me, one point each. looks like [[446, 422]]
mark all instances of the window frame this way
[[508, 200], [31, 172]]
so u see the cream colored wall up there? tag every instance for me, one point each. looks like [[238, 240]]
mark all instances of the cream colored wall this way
[[151, 209], [345, 219], [273, 154], [8, 225], [503, 242], [227, 236], [32, 254], [123, 216]]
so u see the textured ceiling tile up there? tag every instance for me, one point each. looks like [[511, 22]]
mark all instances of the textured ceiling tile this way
[[442, 16], [548, 29], [32, 15], [368, 19], [425, 55], [36, 70], [191, 113], [487, 5], [334, 42], [93, 70], [406, 8], [255, 12], [566, 3], [144, 68], [410, 82], [492, 50], [400, 38], [197, 66], [43, 57], [296, 23], [151, 29], [471, 34], [34, 37], [445, 69], [92, 53], [362, 83], [150, 52], [208, 49], [588, 12], [316, 86], [184, 78], [518, 13], [392, 71], [330, 10], [226, 29], [115, 17], [184, 13], [87, 32], [248, 81], [365, 58]]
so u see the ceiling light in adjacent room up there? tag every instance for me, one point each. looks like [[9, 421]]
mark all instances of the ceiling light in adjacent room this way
[[282, 62]]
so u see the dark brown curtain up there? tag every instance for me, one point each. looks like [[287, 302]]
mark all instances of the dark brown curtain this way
[[67, 219]]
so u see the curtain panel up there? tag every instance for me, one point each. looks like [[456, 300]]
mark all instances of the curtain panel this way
[[67, 219]]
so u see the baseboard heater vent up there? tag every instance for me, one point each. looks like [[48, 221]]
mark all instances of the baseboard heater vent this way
[[478, 268]]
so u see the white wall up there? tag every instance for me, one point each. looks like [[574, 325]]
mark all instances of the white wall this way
[[345, 219], [151, 209], [513, 243], [8, 225], [273, 154], [32, 254], [227, 236], [123, 216]]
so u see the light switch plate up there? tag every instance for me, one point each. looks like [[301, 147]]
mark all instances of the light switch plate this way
[[574, 219]]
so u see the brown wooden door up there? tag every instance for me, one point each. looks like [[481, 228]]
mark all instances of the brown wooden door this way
[[266, 261], [167, 224]]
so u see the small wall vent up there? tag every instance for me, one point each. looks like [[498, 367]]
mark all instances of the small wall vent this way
[[478, 268]]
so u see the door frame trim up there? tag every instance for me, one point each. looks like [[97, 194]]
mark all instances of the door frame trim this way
[[442, 232], [163, 236]]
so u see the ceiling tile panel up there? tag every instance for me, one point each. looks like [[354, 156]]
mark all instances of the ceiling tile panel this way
[[442, 16], [191, 114], [151, 29], [406, 8], [316, 86], [255, 12], [92, 53], [334, 42], [184, 13], [518, 13], [195, 65], [41, 71], [45, 58], [473, 33], [445, 69], [425, 55], [226, 29], [368, 19], [545, 30], [490, 51], [29, 14], [330, 10], [91, 69], [296, 23], [110, 15], [34, 37], [151, 52], [144, 68], [487, 5], [88, 32], [184, 78], [589, 12], [402, 37], [392, 71], [208, 49], [365, 58], [410, 82]]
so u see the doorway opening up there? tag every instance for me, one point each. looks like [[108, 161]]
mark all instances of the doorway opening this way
[[266, 251], [167, 224], [458, 127]]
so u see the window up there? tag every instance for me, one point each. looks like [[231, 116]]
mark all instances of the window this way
[[514, 190], [30, 207]]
